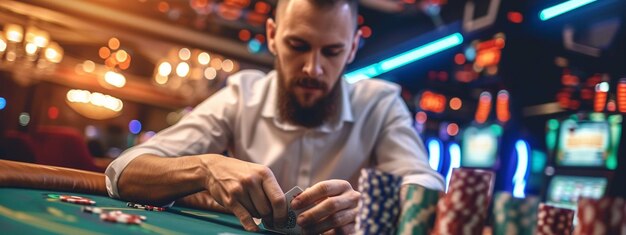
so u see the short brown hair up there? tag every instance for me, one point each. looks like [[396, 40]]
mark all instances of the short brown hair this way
[[354, 6]]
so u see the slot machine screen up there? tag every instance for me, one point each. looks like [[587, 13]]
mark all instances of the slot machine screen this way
[[564, 191], [480, 147], [583, 144]]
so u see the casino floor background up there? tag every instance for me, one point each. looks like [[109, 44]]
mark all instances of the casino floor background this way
[[527, 96]]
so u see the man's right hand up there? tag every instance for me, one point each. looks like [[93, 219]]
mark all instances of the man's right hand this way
[[247, 189]]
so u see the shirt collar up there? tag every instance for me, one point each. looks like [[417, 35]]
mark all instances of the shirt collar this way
[[270, 108]]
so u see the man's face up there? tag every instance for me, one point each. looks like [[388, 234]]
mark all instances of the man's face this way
[[312, 45]]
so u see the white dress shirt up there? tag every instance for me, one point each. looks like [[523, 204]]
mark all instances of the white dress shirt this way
[[372, 129]]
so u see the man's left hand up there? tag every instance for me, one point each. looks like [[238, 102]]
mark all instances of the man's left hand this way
[[333, 208]]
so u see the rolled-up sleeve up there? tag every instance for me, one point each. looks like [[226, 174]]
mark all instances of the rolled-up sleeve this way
[[399, 150], [206, 129]]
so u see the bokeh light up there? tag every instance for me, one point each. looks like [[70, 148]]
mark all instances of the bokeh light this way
[[134, 126], [53, 112], [114, 43], [210, 73], [456, 103], [452, 129], [24, 119], [3, 103]]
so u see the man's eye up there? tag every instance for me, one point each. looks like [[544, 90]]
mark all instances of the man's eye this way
[[331, 52], [299, 47]]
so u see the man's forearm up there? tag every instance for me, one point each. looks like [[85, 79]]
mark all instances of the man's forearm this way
[[159, 180]]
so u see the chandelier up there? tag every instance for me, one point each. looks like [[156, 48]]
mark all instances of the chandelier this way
[[28, 52], [193, 73]]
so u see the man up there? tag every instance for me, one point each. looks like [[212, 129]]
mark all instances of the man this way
[[301, 125]]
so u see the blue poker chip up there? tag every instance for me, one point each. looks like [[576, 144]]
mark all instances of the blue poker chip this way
[[379, 205]]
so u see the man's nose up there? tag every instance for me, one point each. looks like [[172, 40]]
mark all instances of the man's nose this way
[[313, 67]]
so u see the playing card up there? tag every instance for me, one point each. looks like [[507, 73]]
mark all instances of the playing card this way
[[290, 225]]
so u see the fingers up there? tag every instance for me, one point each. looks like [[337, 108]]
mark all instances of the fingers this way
[[276, 198], [328, 208], [260, 202], [341, 222], [244, 217], [320, 191]]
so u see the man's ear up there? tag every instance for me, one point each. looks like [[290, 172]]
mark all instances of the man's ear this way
[[354, 46], [270, 28]]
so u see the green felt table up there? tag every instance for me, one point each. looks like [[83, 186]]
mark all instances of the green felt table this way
[[29, 211]]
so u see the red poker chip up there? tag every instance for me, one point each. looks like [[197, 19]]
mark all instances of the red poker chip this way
[[463, 209], [121, 217], [554, 220], [77, 200], [600, 216]]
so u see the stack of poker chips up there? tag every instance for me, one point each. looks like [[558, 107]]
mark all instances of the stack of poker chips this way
[[464, 208], [379, 205], [77, 200], [145, 207], [418, 210], [601, 216], [554, 220], [114, 216], [121, 217], [514, 215]]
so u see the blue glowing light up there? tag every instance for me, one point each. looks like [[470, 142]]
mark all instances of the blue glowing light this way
[[470, 53], [254, 46], [455, 161], [519, 179], [3, 103], [434, 153], [562, 8], [405, 58], [134, 126]]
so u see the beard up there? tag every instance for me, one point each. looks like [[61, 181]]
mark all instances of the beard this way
[[310, 116]]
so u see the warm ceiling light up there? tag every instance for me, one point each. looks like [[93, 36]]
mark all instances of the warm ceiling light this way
[[184, 54], [3, 43], [38, 37], [115, 79], [94, 105], [121, 56], [210, 73], [165, 68], [182, 69], [14, 32], [114, 43], [30, 48], [89, 66], [54, 53], [228, 65], [204, 58]]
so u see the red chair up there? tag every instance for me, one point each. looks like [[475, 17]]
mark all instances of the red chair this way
[[18, 146], [63, 146]]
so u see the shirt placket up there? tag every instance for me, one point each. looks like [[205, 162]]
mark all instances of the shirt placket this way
[[304, 174]]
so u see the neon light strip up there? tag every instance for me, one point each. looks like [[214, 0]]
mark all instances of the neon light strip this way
[[455, 161], [562, 8], [407, 57], [519, 179], [434, 153]]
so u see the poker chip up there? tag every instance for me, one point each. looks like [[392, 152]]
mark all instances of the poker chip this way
[[379, 205], [77, 200], [145, 207], [553, 220], [418, 210], [514, 215], [463, 210], [91, 209], [121, 217], [601, 216]]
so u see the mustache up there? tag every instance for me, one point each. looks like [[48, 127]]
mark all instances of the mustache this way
[[309, 82]]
